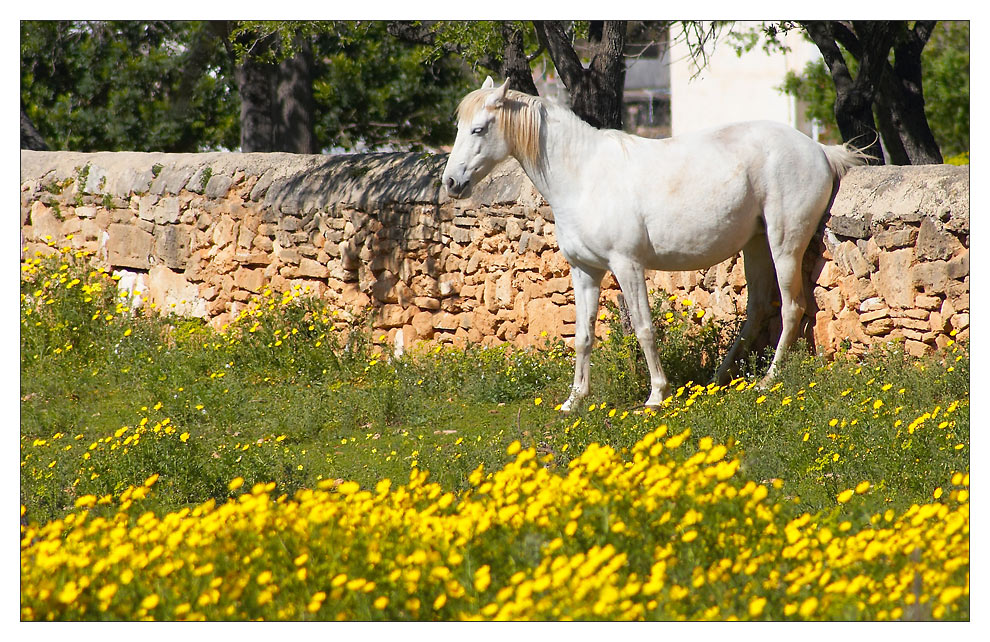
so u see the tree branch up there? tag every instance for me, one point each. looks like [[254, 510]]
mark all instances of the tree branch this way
[[553, 38]]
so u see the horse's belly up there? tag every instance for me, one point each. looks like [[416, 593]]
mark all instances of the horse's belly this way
[[677, 251], [695, 239]]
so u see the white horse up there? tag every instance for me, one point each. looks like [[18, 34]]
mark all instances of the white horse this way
[[626, 204]]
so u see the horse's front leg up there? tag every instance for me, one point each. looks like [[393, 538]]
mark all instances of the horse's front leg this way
[[587, 287], [633, 283]]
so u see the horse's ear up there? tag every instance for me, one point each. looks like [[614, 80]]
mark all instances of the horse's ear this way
[[495, 98], [488, 84]]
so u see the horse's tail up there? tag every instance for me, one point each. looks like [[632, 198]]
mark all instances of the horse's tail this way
[[842, 157]]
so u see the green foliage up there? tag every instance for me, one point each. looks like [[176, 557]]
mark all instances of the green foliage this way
[[124, 85], [258, 472], [814, 88], [945, 80], [374, 90], [945, 61], [170, 85], [689, 345], [291, 393]]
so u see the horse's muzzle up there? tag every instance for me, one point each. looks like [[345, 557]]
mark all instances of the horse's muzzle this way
[[455, 189]]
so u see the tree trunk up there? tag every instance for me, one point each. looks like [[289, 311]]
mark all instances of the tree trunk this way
[[256, 88], [30, 136], [888, 131], [515, 63], [854, 96], [901, 90], [294, 95], [596, 90]]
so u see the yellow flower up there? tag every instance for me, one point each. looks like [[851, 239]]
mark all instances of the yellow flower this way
[[69, 593], [107, 592], [514, 447], [381, 602], [756, 606], [862, 487], [235, 483], [150, 602], [482, 578], [808, 606], [439, 602]]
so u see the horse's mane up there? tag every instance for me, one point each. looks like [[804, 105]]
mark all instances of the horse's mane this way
[[518, 120]]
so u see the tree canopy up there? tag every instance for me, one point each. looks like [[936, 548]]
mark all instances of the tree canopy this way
[[185, 86], [944, 87]]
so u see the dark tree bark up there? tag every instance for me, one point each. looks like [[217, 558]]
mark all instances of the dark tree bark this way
[[893, 93], [294, 100], [854, 96], [596, 90], [515, 62], [30, 136], [277, 107], [902, 92], [255, 85]]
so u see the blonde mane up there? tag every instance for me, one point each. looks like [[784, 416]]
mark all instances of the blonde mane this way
[[518, 120]]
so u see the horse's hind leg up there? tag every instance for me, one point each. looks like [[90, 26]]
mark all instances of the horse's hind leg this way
[[759, 289], [587, 287], [792, 304], [632, 281]]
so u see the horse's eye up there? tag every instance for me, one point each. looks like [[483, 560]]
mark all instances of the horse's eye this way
[[477, 130]]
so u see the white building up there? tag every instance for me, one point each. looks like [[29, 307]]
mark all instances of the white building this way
[[733, 88]]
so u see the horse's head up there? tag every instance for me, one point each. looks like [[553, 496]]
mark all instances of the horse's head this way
[[481, 143]]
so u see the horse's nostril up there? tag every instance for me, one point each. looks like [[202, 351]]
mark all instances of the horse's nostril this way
[[450, 182]]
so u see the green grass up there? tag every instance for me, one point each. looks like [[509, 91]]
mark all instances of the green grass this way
[[290, 393]]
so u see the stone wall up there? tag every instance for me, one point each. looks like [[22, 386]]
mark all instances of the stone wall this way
[[204, 233]]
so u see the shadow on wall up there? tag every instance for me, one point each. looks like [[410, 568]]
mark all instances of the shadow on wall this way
[[366, 182]]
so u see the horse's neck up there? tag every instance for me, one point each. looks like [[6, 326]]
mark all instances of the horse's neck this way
[[569, 142]]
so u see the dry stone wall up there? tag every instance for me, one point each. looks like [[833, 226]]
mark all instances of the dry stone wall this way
[[202, 234]]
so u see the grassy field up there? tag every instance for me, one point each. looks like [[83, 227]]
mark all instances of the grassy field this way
[[288, 468]]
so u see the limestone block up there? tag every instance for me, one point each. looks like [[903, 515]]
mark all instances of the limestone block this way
[[893, 280], [932, 276], [383, 289], [915, 348], [960, 321], [958, 266], [225, 231], [867, 317], [218, 186], [44, 223], [129, 246], [446, 321], [893, 238], [172, 245], [249, 279], [913, 324], [422, 322], [171, 292], [849, 257], [934, 242], [879, 327], [310, 268], [166, 211]]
